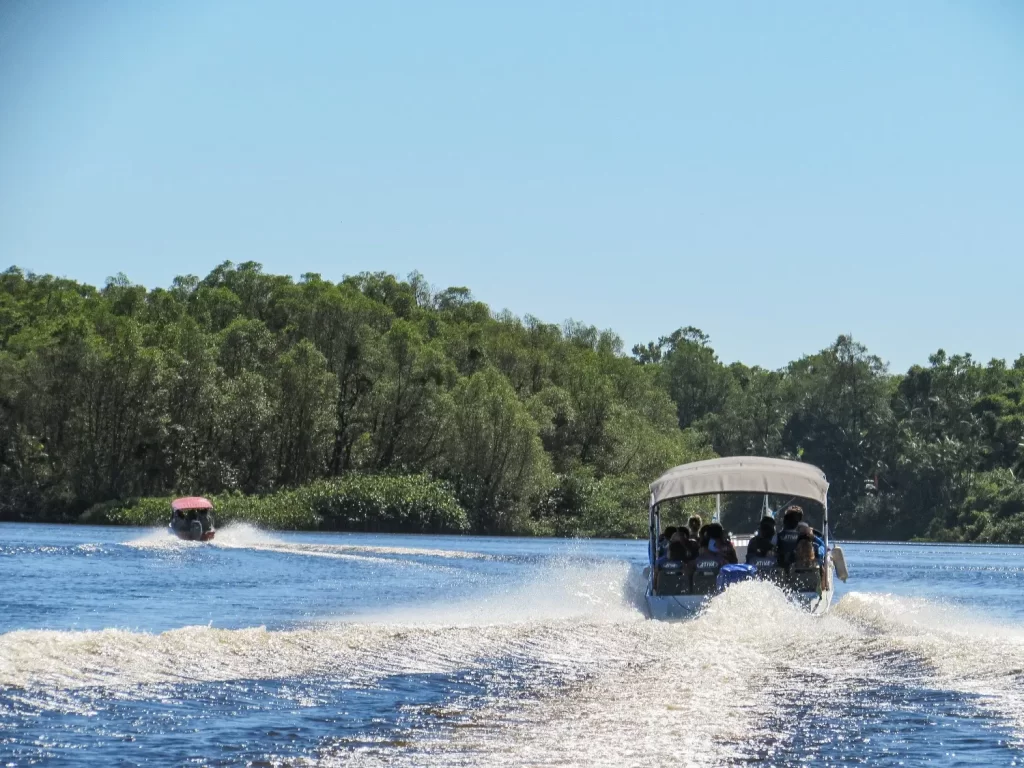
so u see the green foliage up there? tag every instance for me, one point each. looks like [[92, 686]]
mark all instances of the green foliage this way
[[250, 387], [993, 512], [906, 456], [354, 502], [582, 505], [309, 403], [495, 452]]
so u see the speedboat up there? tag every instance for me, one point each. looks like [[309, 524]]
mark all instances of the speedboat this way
[[681, 590], [192, 518]]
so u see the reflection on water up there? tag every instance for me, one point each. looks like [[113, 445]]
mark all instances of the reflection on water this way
[[377, 650]]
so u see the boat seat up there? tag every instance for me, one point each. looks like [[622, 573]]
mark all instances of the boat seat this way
[[705, 576], [673, 579], [805, 579]]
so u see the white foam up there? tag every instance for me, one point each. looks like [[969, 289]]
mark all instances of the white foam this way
[[600, 685], [690, 693], [246, 536], [964, 651], [559, 590], [732, 685], [159, 538]]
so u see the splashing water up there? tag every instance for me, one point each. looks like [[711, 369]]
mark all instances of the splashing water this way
[[545, 661], [245, 536]]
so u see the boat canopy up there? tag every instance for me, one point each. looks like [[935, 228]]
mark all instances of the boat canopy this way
[[741, 474], [191, 502]]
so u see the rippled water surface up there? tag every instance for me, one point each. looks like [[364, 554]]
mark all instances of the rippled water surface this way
[[127, 647]]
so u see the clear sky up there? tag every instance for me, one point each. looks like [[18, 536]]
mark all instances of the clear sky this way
[[773, 173]]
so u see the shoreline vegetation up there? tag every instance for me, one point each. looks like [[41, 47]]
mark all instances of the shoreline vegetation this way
[[380, 404]]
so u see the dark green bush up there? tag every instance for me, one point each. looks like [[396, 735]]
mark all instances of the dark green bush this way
[[397, 504]]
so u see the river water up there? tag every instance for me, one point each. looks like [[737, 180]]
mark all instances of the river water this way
[[125, 647]]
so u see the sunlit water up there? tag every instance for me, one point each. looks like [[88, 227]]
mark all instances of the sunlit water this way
[[127, 647]]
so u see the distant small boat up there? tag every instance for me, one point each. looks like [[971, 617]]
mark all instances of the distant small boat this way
[[192, 518]]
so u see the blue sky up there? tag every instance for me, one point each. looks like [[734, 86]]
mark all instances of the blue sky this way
[[773, 173]]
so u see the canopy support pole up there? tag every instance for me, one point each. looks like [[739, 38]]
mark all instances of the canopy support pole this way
[[718, 508], [655, 530], [826, 524]]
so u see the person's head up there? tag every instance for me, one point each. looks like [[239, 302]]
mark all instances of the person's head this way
[[676, 550], [792, 517], [767, 527], [694, 524], [804, 529], [702, 535], [669, 530], [715, 531], [679, 536]]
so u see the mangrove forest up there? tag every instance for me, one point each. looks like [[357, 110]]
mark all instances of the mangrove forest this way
[[376, 403]]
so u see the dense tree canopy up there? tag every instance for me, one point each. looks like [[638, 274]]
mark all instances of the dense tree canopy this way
[[244, 382]]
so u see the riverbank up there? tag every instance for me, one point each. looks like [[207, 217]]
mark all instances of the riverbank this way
[[422, 504], [377, 503], [577, 507]]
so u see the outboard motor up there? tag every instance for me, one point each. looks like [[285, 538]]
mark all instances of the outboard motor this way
[[195, 529], [733, 574]]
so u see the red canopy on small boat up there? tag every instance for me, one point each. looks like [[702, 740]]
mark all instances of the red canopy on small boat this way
[[191, 502]]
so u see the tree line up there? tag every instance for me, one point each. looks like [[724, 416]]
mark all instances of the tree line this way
[[254, 384]]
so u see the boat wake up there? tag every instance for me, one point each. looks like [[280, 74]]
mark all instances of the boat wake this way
[[573, 672], [245, 536], [962, 651]]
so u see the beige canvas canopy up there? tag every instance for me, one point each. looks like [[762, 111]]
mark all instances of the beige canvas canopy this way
[[741, 474]]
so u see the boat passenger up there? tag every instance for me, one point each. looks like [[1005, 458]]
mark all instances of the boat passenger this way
[[694, 524], [682, 537], [810, 550], [718, 545], [676, 554], [690, 542], [664, 539], [762, 544], [703, 537], [787, 538], [676, 557]]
